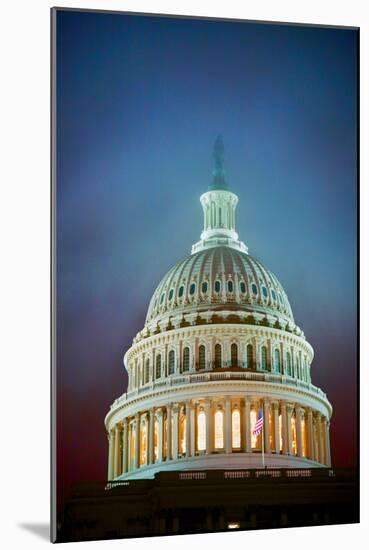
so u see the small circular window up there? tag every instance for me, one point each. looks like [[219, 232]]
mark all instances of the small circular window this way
[[254, 289], [242, 287], [204, 287], [217, 286], [180, 292], [192, 288], [230, 286]]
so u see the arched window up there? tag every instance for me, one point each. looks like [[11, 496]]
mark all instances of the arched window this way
[[236, 429], [277, 360], [218, 356], [171, 362], [158, 366], [303, 437], [219, 437], [143, 450], [204, 287], [230, 286], [217, 286], [234, 355], [288, 363], [264, 358], [180, 291], [132, 448], [255, 439], [242, 287], [254, 289], [192, 288], [186, 359], [249, 356], [147, 371], [201, 357], [201, 431]]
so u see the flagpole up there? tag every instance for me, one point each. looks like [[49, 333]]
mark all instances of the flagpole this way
[[262, 437]]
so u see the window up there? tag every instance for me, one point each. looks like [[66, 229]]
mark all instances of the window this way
[[303, 437], [180, 291], [132, 448], [201, 431], [254, 289], [171, 292], [264, 358], [171, 362], [143, 450], [218, 356], [192, 288], [273, 295], [156, 440], [147, 371], [230, 286], [234, 355], [186, 359], [293, 435], [277, 360], [219, 438], [255, 439], [280, 299], [288, 361], [204, 287], [298, 367], [242, 287], [264, 291], [249, 356], [236, 429], [162, 298], [217, 286], [201, 357], [182, 434], [158, 366]]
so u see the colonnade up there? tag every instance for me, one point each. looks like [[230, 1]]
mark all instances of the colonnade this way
[[209, 426]]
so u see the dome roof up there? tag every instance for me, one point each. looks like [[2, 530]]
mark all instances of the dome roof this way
[[219, 278]]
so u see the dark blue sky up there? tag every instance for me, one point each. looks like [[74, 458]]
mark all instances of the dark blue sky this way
[[140, 102]]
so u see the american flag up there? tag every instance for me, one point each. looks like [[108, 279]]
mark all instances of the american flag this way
[[259, 425]]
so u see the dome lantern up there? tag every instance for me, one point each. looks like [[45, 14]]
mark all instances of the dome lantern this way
[[219, 207]]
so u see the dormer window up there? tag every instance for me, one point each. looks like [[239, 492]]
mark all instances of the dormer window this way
[[204, 287], [254, 289], [243, 287], [230, 286], [217, 286], [192, 288]]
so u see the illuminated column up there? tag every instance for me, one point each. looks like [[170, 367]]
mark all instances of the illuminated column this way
[[137, 440], [169, 430], [117, 451], [319, 437], [310, 434], [111, 436], [228, 425], [327, 442], [125, 446], [299, 413], [151, 436], [266, 427], [208, 426], [276, 426], [147, 418], [160, 416], [175, 431], [247, 425], [289, 432], [284, 429], [188, 429], [193, 429]]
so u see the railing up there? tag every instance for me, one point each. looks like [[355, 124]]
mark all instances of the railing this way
[[207, 376]]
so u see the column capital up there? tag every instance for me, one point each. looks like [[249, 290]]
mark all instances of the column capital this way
[[159, 412], [274, 403], [175, 408]]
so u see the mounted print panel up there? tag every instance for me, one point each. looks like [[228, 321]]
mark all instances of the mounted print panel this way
[[204, 370]]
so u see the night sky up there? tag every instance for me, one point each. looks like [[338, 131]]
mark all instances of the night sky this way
[[140, 102]]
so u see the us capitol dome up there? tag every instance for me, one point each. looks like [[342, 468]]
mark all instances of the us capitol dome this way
[[220, 349]]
